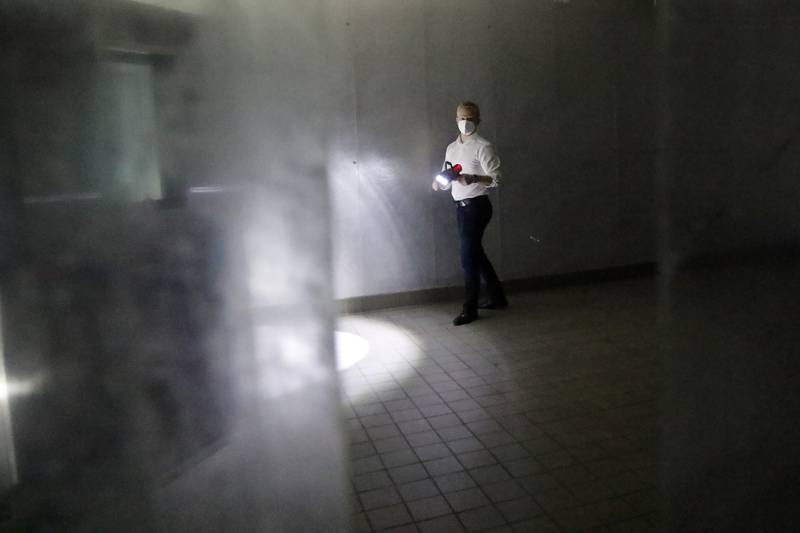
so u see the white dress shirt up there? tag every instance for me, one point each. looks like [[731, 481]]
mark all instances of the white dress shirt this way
[[476, 155]]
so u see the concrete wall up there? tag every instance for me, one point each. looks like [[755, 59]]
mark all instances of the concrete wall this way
[[566, 91], [729, 197]]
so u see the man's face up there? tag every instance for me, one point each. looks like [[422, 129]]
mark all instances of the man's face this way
[[463, 113]]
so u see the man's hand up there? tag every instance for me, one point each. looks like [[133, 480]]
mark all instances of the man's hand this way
[[435, 185]]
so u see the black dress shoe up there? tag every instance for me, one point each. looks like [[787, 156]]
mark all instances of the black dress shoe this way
[[464, 318], [492, 304]]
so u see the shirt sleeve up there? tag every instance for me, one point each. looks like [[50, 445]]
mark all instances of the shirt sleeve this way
[[490, 163]]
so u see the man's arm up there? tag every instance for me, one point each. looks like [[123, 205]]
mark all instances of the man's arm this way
[[469, 179], [490, 164]]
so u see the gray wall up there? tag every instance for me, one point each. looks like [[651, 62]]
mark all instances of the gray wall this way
[[566, 92], [730, 243]]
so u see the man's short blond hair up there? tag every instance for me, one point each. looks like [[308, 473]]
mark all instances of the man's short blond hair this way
[[472, 106]]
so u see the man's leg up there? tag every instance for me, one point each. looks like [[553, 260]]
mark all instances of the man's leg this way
[[469, 228], [472, 221], [497, 296]]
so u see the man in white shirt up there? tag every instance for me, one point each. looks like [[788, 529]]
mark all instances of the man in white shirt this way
[[480, 172]]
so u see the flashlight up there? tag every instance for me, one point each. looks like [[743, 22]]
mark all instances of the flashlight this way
[[449, 173]]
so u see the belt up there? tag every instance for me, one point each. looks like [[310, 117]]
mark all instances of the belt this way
[[469, 201]]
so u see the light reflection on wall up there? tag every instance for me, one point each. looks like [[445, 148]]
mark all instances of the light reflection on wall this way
[[8, 460], [372, 220], [11, 388]]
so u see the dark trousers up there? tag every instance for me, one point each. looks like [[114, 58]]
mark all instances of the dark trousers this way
[[473, 216]]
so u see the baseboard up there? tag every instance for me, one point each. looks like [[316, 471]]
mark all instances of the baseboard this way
[[584, 277], [374, 302], [361, 304]]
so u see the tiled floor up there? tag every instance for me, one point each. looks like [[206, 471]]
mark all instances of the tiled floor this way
[[541, 417]]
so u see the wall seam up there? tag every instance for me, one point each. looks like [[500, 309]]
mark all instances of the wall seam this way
[[434, 279], [357, 161]]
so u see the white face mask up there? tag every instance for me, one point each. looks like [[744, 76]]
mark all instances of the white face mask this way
[[466, 127]]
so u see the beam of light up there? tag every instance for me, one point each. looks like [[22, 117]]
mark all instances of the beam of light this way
[[11, 388], [8, 467], [350, 349], [441, 180], [360, 202]]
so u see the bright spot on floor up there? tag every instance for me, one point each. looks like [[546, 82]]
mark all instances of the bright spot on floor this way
[[350, 349]]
